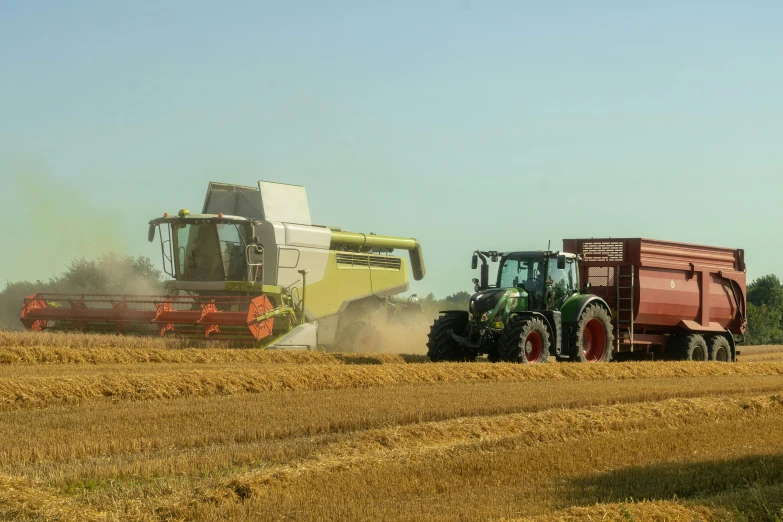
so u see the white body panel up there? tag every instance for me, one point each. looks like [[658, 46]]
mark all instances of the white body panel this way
[[286, 203]]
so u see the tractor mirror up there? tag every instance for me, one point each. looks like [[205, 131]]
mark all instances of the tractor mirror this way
[[561, 262], [151, 233], [474, 262]]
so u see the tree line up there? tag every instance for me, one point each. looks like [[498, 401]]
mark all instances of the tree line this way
[[117, 274]]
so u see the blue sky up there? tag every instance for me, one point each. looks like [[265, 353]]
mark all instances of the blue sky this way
[[465, 124]]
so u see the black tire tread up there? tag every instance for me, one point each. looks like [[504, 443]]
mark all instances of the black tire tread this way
[[686, 344], [715, 344], [440, 345], [517, 327], [577, 348]]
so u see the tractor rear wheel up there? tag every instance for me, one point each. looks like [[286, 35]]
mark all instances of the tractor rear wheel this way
[[524, 340], [719, 348], [441, 346], [359, 336], [592, 338], [691, 347]]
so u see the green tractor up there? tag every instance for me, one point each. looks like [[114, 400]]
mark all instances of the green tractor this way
[[535, 308]]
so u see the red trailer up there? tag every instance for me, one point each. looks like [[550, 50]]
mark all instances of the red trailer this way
[[667, 299]]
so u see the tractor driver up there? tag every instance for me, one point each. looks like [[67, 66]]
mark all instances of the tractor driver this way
[[539, 282]]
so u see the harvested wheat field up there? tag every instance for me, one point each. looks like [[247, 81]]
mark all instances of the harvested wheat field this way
[[118, 428]]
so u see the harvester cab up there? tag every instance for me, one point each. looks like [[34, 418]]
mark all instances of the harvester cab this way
[[533, 309], [239, 269]]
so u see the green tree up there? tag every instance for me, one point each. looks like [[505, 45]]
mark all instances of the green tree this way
[[766, 290], [765, 310], [763, 325]]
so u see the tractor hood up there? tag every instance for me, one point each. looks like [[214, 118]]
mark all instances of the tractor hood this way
[[485, 300]]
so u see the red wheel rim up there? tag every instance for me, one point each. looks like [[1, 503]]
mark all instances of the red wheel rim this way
[[532, 346], [594, 340]]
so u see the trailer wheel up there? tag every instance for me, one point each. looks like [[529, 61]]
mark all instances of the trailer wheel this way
[[691, 347], [441, 346], [593, 336], [359, 336], [524, 340], [719, 349]]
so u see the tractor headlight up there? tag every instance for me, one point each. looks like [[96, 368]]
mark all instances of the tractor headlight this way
[[485, 317]]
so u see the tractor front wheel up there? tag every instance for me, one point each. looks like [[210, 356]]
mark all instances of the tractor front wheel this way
[[524, 340], [592, 338], [441, 346]]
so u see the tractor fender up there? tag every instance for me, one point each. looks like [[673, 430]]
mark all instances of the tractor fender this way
[[552, 320], [574, 307], [462, 313]]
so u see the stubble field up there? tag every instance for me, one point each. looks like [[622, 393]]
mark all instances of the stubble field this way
[[113, 428]]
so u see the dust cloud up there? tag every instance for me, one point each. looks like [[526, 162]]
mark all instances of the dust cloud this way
[[53, 223], [403, 336], [59, 240]]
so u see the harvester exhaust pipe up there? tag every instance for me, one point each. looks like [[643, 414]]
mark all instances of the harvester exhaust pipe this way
[[357, 239]]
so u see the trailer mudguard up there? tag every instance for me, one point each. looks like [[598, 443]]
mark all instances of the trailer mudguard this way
[[733, 344], [552, 319]]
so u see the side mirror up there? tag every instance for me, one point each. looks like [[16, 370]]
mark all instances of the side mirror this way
[[561, 262], [151, 233], [474, 262]]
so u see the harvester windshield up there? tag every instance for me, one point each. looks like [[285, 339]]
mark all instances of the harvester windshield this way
[[209, 251]]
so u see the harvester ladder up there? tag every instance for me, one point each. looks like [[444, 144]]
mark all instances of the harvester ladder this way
[[625, 300]]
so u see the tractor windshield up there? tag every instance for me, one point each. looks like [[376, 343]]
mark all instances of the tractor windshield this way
[[521, 267], [209, 251]]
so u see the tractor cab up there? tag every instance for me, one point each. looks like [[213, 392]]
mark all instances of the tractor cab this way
[[537, 280]]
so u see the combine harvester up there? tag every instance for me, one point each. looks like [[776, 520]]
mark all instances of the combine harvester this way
[[606, 298], [253, 267]]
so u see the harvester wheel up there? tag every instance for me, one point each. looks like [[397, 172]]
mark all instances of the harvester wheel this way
[[441, 346], [691, 347], [359, 336], [524, 340], [592, 339], [719, 349]]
